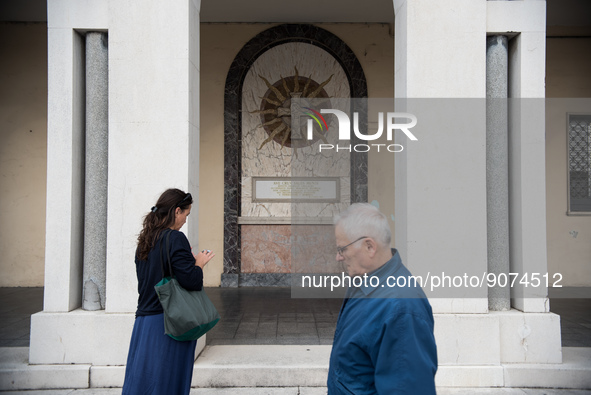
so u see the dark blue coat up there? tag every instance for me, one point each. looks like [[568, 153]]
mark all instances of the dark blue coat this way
[[384, 342]]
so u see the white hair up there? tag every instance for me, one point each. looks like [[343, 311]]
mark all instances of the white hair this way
[[364, 219]]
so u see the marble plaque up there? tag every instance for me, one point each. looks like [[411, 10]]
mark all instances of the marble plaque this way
[[313, 190]]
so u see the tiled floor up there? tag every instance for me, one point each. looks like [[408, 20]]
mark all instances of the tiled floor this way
[[270, 316], [16, 307], [266, 316], [575, 321]]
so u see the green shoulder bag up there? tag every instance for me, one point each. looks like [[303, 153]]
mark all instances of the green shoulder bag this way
[[188, 315]]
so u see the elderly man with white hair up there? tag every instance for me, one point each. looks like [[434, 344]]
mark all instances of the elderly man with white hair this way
[[384, 342]]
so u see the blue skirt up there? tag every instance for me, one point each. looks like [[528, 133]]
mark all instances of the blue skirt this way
[[156, 363]]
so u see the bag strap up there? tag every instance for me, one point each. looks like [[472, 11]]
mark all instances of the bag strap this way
[[168, 232]]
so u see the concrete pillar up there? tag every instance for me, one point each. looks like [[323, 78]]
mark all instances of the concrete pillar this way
[[440, 200], [497, 170], [153, 127], [97, 138]]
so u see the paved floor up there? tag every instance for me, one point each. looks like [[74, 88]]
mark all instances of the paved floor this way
[[16, 307], [270, 316], [575, 321], [266, 316]]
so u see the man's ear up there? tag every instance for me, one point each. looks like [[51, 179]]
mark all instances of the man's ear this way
[[371, 246]]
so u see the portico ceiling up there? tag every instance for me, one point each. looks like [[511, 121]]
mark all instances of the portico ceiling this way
[[313, 11], [559, 12], [272, 11]]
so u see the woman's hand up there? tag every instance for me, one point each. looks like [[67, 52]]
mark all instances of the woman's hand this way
[[203, 257]]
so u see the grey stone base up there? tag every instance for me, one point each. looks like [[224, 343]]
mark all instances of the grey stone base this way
[[229, 280], [256, 280]]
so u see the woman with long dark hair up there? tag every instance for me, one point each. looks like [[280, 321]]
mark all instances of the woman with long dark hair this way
[[156, 363]]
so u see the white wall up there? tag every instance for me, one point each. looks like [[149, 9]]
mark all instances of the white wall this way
[[23, 153], [569, 236]]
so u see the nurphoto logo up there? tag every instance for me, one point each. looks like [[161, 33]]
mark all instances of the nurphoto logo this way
[[344, 130]]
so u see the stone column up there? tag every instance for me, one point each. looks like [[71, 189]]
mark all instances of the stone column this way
[[497, 170], [97, 137]]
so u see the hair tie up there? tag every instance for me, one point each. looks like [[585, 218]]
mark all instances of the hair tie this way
[[154, 208]]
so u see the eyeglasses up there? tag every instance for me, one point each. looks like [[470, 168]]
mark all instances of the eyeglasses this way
[[340, 250], [187, 197]]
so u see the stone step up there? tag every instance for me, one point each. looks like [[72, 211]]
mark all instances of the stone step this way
[[262, 366], [288, 366], [17, 374], [305, 391]]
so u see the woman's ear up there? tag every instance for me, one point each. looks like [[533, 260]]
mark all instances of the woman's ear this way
[[177, 211]]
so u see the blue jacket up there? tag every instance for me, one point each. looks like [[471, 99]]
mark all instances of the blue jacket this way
[[384, 342]]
